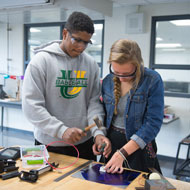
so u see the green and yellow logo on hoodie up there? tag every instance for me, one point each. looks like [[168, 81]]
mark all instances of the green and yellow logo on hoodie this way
[[71, 87]]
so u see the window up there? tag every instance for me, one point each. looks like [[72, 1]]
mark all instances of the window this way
[[170, 53], [96, 49], [38, 34]]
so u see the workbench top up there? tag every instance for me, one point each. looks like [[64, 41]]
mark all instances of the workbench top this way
[[46, 180]]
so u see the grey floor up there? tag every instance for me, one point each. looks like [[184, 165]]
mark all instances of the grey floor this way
[[13, 137]]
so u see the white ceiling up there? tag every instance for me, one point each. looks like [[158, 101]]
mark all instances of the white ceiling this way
[[144, 2], [59, 11]]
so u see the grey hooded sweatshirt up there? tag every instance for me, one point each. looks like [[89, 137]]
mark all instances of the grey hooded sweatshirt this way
[[61, 92]]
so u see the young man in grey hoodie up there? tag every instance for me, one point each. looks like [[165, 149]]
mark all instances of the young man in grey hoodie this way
[[61, 92]]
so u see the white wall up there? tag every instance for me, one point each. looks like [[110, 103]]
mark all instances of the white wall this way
[[16, 52], [13, 117], [11, 47], [115, 28], [171, 134], [3, 47]]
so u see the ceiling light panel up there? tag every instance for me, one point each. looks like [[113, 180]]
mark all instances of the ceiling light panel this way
[[22, 3]]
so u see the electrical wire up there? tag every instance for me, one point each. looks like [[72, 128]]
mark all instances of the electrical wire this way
[[77, 158]]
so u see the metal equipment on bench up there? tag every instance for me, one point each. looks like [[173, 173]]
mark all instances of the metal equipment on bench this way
[[32, 175], [183, 169]]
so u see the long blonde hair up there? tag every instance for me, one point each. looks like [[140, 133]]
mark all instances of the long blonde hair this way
[[123, 51]]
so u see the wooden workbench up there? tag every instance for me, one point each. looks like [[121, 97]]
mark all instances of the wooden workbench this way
[[46, 180]]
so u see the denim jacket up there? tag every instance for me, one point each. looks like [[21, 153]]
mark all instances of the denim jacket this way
[[144, 108]]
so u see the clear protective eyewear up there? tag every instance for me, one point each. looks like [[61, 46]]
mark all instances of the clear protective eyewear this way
[[122, 76], [75, 40]]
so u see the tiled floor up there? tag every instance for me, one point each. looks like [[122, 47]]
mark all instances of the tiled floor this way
[[13, 137], [167, 166]]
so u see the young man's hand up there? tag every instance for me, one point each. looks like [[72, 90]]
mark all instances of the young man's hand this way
[[99, 141], [73, 135]]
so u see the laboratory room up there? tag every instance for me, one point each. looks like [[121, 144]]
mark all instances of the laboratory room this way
[[95, 94]]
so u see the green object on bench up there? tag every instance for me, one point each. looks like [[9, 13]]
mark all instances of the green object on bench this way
[[31, 162]]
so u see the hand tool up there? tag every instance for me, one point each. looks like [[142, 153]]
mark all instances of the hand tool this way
[[101, 151], [7, 165], [97, 123], [33, 175], [102, 168], [102, 148], [10, 168], [10, 175], [74, 170]]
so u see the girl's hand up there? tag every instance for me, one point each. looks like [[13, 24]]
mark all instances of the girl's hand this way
[[115, 164]]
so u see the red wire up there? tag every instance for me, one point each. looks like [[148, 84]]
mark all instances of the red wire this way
[[65, 143]]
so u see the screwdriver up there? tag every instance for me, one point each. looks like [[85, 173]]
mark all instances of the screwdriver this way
[[101, 151]]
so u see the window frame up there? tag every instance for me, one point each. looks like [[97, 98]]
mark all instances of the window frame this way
[[61, 25], [152, 64]]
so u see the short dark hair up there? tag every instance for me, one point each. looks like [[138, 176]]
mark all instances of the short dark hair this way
[[79, 21]]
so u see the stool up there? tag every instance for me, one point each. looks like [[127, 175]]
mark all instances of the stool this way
[[183, 169]]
